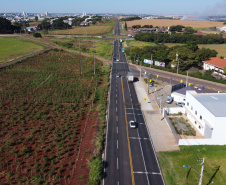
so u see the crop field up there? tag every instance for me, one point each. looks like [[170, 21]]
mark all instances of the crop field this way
[[90, 30], [167, 22], [48, 119], [214, 167], [13, 48]]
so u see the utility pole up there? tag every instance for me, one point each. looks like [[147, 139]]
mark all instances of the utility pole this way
[[177, 62], [80, 59], [187, 79], [201, 174], [140, 66], [93, 60]]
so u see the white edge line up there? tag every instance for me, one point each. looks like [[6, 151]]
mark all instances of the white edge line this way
[[105, 153]]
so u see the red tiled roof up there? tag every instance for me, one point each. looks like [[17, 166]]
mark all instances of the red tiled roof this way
[[216, 62]]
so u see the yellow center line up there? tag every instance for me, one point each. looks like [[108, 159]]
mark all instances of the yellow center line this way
[[118, 52], [127, 132]]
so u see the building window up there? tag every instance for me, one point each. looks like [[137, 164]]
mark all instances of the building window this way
[[196, 112], [187, 103], [195, 122], [200, 117], [199, 127], [191, 108]]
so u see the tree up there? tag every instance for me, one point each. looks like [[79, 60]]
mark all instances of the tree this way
[[5, 26], [36, 18], [36, 35], [125, 26], [45, 24], [177, 28], [189, 30], [224, 69]]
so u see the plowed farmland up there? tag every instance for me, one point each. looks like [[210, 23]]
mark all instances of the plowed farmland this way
[[48, 119]]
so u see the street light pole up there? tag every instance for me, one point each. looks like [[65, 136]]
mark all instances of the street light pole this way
[[201, 174], [177, 62]]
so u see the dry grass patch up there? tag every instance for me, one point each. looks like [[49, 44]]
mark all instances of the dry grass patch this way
[[91, 30], [166, 22]]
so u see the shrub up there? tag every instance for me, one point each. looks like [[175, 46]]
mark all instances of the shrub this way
[[36, 35]]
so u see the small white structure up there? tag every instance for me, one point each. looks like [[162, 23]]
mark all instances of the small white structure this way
[[206, 111]]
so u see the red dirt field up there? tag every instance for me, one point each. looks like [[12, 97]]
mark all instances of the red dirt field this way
[[48, 121]]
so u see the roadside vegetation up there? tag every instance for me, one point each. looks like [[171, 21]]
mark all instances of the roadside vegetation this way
[[100, 47], [45, 121], [12, 48], [214, 167]]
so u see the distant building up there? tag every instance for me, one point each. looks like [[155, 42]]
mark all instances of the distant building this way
[[216, 64]]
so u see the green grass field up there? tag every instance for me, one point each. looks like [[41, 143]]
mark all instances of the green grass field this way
[[101, 47], [12, 48], [174, 172]]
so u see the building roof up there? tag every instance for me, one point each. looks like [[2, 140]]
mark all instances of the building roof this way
[[215, 61], [189, 88], [213, 102]]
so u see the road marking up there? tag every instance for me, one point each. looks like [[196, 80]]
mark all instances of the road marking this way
[[117, 162], [139, 138], [127, 132], [117, 130], [116, 95], [154, 173], [116, 109], [117, 144], [116, 118], [116, 101], [129, 113]]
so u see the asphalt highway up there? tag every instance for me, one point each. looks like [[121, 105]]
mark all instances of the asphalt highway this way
[[129, 157]]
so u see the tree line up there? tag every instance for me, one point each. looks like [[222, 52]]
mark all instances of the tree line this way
[[7, 27], [180, 38], [189, 55], [130, 18]]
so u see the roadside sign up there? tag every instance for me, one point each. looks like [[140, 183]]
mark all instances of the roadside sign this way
[[150, 80], [181, 81], [171, 78], [157, 76], [203, 87], [155, 89], [145, 99], [189, 84], [186, 166]]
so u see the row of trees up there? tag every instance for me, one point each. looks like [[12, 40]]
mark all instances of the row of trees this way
[[145, 26], [179, 38], [7, 27], [189, 55], [130, 18]]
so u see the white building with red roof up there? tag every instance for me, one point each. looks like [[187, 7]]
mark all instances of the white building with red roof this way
[[216, 64]]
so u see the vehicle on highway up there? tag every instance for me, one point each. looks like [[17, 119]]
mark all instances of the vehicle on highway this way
[[169, 99], [130, 77], [132, 124], [117, 60], [181, 104], [118, 75]]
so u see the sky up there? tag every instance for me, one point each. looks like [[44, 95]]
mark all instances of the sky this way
[[201, 7]]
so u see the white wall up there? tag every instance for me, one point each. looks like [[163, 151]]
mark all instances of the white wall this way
[[174, 110], [217, 123], [177, 97]]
